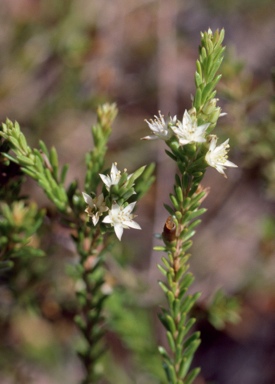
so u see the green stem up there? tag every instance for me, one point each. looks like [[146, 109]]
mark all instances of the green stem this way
[[90, 319]]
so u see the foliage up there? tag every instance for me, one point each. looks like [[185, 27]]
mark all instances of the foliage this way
[[192, 148], [223, 309], [43, 167], [59, 60], [105, 207]]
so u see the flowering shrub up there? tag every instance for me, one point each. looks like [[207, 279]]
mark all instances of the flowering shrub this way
[[107, 205]]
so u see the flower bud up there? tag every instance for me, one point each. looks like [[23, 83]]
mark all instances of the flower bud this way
[[190, 149], [215, 115], [210, 106], [173, 144], [193, 113]]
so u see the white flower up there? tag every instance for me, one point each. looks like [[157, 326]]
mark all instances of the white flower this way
[[160, 128], [187, 131], [95, 207], [217, 156], [121, 218], [114, 177]]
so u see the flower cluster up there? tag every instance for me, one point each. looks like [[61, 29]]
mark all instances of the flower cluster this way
[[114, 178], [217, 155], [118, 215], [160, 128], [121, 218], [188, 131], [95, 207]]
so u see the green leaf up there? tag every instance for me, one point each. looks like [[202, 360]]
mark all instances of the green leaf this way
[[29, 172], [188, 302], [191, 349], [186, 246], [185, 284], [170, 154], [54, 161], [194, 224], [162, 270], [170, 372], [166, 262], [180, 272], [64, 173], [169, 209], [208, 89], [179, 194], [198, 79], [181, 335], [189, 324], [10, 157], [159, 248], [191, 339], [44, 148], [192, 375], [22, 142], [186, 235], [198, 67], [137, 174], [196, 213], [163, 352], [203, 54], [170, 298], [197, 100], [171, 341], [163, 287], [174, 201], [176, 308], [209, 46]]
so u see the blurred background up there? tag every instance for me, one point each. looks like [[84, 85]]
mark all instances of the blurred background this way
[[58, 61]]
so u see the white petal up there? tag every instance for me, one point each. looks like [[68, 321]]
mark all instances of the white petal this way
[[202, 128], [106, 180], [173, 120], [107, 220], [186, 118], [230, 164], [184, 141], [95, 219], [176, 129], [114, 172], [219, 168], [132, 224], [100, 200], [114, 168], [118, 230], [159, 127], [115, 209], [225, 143], [88, 199], [129, 208], [213, 143]]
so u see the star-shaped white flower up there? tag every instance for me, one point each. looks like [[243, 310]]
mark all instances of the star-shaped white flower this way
[[160, 128], [187, 131], [217, 156], [113, 178], [96, 206], [121, 218]]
